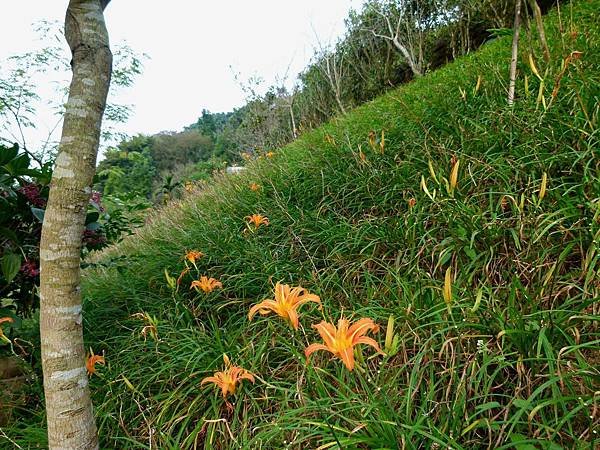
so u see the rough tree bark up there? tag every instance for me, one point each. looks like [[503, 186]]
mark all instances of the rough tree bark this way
[[69, 409]]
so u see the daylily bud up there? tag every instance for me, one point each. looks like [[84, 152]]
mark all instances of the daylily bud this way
[[543, 185], [448, 286]]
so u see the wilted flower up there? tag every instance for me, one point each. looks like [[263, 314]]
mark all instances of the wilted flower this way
[[372, 139], [183, 273], [329, 139], [286, 303], [361, 155], [575, 55], [150, 325]]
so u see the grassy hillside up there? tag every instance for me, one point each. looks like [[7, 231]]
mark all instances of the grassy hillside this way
[[510, 359]]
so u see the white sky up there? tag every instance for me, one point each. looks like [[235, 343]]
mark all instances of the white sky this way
[[193, 46]]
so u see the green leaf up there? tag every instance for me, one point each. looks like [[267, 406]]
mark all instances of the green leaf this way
[[92, 217], [38, 213], [10, 265], [521, 403], [470, 253], [8, 154], [19, 165], [9, 234], [487, 406], [521, 442], [94, 226]]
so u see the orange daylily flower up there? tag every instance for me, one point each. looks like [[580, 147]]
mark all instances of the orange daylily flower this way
[[4, 320], [286, 303], [341, 340], [206, 284], [91, 362], [255, 187], [193, 255], [257, 220], [228, 379]]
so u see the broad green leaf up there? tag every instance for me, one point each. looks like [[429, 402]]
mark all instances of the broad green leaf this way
[[7, 233], [38, 213], [487, 406], [92, 217], [8, 154], [521, 442], [19, 165], [93, 226], [10, 265]]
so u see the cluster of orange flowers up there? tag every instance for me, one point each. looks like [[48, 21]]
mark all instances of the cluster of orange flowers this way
[[257, 154], [340, 340]]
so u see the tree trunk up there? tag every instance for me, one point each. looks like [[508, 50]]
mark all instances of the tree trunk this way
[[68, 404], [414, 66], [515, 54]]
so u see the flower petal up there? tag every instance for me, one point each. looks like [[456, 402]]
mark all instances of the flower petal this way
[[247, 376], [347, 356], [293, 316], [214, 380], [263, 308], [313, 348], [301, 300], [6, 319], [369, 341], [328, 333], [360, 328]]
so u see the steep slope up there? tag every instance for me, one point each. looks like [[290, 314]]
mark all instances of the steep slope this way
[[507, 359]]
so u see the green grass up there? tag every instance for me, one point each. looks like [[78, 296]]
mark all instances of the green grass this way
[[512, 363]]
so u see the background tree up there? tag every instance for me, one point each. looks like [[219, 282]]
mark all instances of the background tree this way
[[68, 405], [400, 23]]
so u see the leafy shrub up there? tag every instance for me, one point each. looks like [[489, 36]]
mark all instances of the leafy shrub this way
[[23, 197]]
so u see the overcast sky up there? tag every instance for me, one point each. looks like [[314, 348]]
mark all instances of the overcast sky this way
[[194, 47]]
